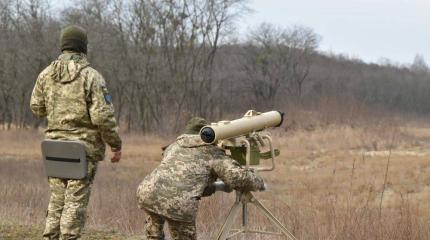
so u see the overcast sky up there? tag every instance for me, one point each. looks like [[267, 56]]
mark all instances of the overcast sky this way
[[367, 29]]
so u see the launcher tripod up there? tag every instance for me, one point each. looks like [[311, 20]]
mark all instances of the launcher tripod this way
[[242, 201], [246, 150]]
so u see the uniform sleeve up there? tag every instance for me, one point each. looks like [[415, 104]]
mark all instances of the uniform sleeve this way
[[102, 113], [234, 176], [37, 101]]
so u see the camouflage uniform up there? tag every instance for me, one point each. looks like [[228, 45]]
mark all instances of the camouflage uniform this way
[[74, 98], [172, 191]]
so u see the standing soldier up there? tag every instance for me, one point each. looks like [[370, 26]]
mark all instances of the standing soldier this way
[[189, 168], [74, 98]]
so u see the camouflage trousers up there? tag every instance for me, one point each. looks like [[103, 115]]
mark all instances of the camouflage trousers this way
[[66, 213], [178, 230]]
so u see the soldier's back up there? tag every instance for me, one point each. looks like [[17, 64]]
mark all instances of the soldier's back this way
[[66, 86]]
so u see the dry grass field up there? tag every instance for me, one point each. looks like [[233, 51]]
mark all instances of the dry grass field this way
[[332, 182]]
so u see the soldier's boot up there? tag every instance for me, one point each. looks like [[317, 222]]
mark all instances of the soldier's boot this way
[[182, 230], [153, 227], [55, 209]]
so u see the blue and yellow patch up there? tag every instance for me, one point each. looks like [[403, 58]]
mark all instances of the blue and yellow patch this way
[[108, 98]]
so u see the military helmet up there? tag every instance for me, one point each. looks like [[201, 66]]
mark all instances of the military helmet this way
[[194, 125], [74, 38]]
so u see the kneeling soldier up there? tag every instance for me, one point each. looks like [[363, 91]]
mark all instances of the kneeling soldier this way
[[172, 191]]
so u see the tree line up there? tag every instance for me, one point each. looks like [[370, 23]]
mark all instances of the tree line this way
[[165, 61]]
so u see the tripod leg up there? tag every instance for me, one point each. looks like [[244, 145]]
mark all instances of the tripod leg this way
[[244, 214], [226, 227], [270, 216]]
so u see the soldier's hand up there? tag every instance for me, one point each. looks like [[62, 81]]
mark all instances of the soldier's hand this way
[[116, 156], [263, 188]]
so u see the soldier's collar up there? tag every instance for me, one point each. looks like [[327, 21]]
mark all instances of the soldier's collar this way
[[190, 140], [70, 55]]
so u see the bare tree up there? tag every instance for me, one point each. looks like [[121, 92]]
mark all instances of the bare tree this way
[[276, 58], [165, 61], [419, 64]]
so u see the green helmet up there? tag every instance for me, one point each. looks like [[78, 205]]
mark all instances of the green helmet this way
[[74, 38], [194, 125]]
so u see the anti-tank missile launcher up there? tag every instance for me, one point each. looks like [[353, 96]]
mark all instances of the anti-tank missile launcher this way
[[245, 137]]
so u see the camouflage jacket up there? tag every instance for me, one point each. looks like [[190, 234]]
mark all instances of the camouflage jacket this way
[[188, 167], [74, 98]]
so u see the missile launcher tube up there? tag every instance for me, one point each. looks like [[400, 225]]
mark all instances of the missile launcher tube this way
[[245, 125]]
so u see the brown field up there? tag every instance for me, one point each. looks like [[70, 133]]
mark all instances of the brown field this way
[[330, 183]]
